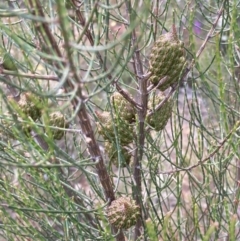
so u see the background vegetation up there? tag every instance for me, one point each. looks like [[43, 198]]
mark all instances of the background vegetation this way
[[74, 55]]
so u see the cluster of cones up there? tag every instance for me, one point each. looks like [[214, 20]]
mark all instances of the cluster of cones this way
[[167, 61], [166, 64], [30, 106]]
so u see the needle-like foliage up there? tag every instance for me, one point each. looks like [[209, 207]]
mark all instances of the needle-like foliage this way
[[119, 120]]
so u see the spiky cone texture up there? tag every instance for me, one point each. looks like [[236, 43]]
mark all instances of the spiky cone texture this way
[[167, 58], [112, 152], [123, 108], [57, 119], [158, 120], [106, 128], [123, 213], [29, 105]]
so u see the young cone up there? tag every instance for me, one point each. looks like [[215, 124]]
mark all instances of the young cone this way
[[158, 120], [123, 108], [29, 105], [57, 119], [123, 213], [167, 59], [112, 152], [106, 128]]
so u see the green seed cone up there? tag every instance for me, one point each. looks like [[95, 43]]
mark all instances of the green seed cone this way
[[123, 213], [106, 128], [123, 108], [8, 62], [57, 119], [160, 117], [29, 105], [112, 152], [166, 59]]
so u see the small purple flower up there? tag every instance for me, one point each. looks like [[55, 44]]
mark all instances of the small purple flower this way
[[197, 27]]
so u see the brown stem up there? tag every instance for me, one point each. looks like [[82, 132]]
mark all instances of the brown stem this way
[[142, 110], [142, 101], [86, 127], [127, 96], [142, 97], [161, 81], [82, 114]]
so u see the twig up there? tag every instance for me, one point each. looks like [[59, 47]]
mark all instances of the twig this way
[[83, 117], [201, 162], [162, 102], [82, 113], [32, 76], [124, 93], [126, 96], [152, 87], [142, 100], [209, 35]]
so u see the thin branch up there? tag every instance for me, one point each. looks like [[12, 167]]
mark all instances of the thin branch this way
[[126, 95], [209, 35], [84, 119], [167, 97], [142, 100], [152, 87], [45, 32], [87, 32], [32, 76], [140, 105], [201, 162]]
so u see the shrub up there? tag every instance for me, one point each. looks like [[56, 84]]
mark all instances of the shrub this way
[[119, 120]]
